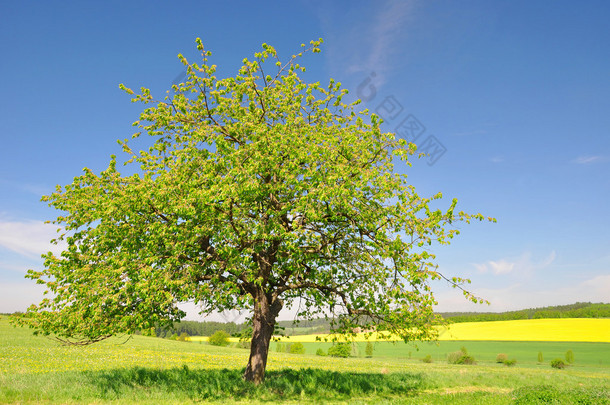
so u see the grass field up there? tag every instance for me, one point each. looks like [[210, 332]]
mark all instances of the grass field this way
[[151, 370]]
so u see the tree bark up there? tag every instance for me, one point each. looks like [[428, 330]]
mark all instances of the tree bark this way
[[266, 311]]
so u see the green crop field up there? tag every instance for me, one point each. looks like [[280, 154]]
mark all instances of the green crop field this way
[[589, 356], [151, 371]]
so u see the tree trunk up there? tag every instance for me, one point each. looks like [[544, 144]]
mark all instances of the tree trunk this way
[[263, 324]]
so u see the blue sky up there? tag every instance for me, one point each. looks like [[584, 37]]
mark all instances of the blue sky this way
[[510, 96]]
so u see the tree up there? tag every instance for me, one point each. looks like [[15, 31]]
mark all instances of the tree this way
[[342, 349], [296, 348], [219, 338], [369, 349], [258, 192]]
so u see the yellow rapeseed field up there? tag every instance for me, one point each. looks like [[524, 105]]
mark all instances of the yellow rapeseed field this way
[[541, 330]]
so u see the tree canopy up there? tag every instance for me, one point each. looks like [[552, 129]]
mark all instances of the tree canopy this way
[[258, 192]]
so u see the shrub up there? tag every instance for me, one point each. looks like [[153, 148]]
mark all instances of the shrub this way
[[452, 358], [369, 349], [320, 352], [340, 350], [501, 358], [184, 337], [280, 347], [460, 357], [558, 363], [427, 359], [219, 338], [297, 348], [570, 356], [540, 357], [510, 363], [467, 359]]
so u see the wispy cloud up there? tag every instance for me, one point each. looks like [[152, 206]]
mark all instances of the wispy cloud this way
[[32, 188], [522, 264], [18, 296], [497, 267], [28, 238], [585, 160], [364, 45], [518, 296], [389, 21]]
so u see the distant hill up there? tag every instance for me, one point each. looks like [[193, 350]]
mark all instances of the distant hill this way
[[577, 310]]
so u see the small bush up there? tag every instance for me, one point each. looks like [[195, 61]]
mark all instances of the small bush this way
[[280, 347], [320, 352], [340, 350], [570, 356], [467, 359], [558, 363], [452, 358], [369, 349], [297, 348], [510, 363], [427, 359], [460, 357], [184, 337], [501, 358], [540, 358], [219, 338]]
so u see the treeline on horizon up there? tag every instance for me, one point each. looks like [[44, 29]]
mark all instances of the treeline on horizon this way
[[321, 325], [577, 310], [207, 328]]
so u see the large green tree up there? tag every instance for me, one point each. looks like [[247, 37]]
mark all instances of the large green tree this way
[[258, 192]]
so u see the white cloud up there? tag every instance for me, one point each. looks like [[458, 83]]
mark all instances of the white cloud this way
[[13, 267], [501, 267], [527, 295], [388, 21], [365, 46], [18, 296], [481, 267], [28, 238], [584, 160], [598, 286], [522, 264]]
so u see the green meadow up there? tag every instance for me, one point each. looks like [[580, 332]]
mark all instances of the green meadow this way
[[590, 356], [124, 370]]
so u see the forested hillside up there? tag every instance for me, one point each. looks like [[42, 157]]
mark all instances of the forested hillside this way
[[577, 310]]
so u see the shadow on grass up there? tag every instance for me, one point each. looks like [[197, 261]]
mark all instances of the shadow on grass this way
[[282, 384]]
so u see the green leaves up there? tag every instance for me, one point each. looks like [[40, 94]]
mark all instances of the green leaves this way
[[254, 184]]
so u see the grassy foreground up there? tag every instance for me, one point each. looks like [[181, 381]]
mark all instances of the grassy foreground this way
[[152, 370]]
